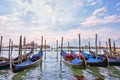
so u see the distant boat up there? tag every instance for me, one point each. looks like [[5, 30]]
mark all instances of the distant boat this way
[[71, 61], [6, 63], [102, 60], [33, 61]]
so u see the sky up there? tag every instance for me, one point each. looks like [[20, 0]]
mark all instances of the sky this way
[[54, 19]]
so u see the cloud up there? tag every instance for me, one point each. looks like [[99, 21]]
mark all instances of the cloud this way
[[99, 11], [77, 3], [94, 2], [118, 6], [29, 1], [93, 20], [3, 20], [89, 35], [55, 18], [98, 17]]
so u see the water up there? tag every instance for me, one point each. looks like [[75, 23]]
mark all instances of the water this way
[[51, 70]]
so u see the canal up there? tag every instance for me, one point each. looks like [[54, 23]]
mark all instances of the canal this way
[[51, 70]]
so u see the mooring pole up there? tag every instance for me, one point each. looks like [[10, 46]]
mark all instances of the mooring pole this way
[[61, 52], [57, 48], [45, 50], [96, 50], [89, 47], [68, 47], [84, 61], [1, 45], [20, 49], [114, 47], [110, 49], [100, 46]]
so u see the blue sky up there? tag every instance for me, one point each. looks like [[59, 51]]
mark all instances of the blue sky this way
[[56, 18]]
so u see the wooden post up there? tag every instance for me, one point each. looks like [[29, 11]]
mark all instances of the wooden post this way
[[110, 50], [20, 49], [82, 48], [9, 48], [41, 47], [57, 48], [24, 44], [96, 50], [84, 61], [106, 47], [100, 46], [33, 45], [79, 43], [10, 53], [89, 47], [45, 50], [114, 47], [41, 43], [12, 47], [1, 44], [61, 52], [68, 47]]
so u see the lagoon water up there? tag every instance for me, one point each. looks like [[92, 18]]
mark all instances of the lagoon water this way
[[51, 70]]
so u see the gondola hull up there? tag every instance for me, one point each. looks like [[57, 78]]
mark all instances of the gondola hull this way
[[79, 65], [102, 63], [6, 64], [115, 62], [33, 64], [69, 60]]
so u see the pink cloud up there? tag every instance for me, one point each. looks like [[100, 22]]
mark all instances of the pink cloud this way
[[93, 20]]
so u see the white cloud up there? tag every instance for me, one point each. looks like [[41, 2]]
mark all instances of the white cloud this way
[[94, 2], [99, 11], [38, 18], [89, 35], [3, 20], [93, 20], [77, 3], [118, 6]]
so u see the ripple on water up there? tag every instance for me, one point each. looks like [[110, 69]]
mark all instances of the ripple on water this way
[[87, 75], [107, 74]]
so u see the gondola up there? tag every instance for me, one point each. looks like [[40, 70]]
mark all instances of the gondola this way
[[71, 61], [110, 60], [32, 61], [6, 63], [113, 60], [101, 61], [3, 59]]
